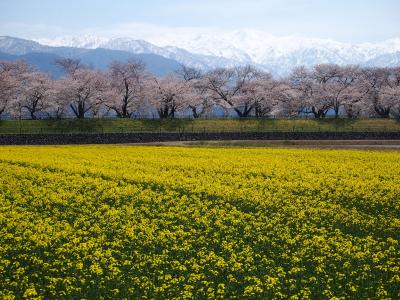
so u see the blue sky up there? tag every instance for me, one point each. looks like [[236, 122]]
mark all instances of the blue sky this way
[[349, 21]]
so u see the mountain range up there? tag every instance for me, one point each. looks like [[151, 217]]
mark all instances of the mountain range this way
[[43, 56], [278, 55]]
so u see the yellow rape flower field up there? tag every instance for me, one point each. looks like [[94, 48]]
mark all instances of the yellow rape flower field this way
[[127, 222]]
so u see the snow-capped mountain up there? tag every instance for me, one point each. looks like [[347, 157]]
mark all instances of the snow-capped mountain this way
[[279, 55], [276, 54], [185, 57]]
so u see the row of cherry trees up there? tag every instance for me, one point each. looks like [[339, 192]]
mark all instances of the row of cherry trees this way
[[126, 89]]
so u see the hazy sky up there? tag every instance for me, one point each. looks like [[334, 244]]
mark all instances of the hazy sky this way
[[343, 20]]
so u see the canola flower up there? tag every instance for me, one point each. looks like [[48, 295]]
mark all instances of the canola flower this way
[[123, 222]]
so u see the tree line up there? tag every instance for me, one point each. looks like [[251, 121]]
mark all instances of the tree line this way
[[126, 90]]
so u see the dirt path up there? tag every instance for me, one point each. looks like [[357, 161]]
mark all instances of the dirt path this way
[[320, 144]]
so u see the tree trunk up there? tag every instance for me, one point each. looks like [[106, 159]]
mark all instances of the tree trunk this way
[[261, 112], [315, 113], [336, 109], [245, 112], [124, 110], [195, 113], [318, 113], [79, 110], [32, 110], [32, 113], [383, 112], [163, 112], [119, 115]]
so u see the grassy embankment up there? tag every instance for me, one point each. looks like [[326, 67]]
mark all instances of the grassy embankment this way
[[190, 125]]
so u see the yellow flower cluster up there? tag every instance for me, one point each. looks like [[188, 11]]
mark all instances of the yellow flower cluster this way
[[123, 222]]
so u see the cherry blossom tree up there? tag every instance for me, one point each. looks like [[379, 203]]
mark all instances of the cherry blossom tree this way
[[197, 98], [390, 92], [226, 88], [266, 93], [355, 97], [323, 87], [126, 87], [339, 82], [167, 95], [84, 90], [312, 94], [11, 74], [59, 104], [376, 80], [70, 65], [36, 93], [189, 73]]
